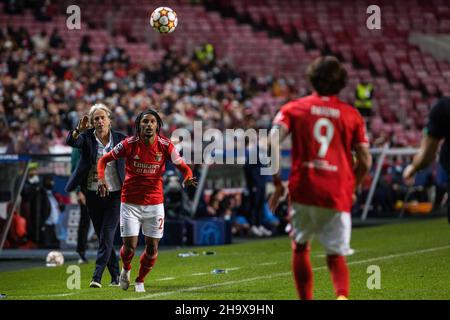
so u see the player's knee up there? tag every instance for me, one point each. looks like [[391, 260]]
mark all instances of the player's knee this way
[[152, 249], [300, 247], [129, 250]]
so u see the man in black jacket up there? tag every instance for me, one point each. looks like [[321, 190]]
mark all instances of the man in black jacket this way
[[103, 211], [438, 129]]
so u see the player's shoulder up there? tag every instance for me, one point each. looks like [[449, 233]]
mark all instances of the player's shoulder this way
[[164, 140], [349, 110], [132, 140], [294, 104]]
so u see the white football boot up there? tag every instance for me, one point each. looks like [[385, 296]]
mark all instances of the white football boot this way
[[124, 279], [139, 287]]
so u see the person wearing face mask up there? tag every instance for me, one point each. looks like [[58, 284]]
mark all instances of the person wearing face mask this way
[[52, 211], [31, 204], [94, 137]]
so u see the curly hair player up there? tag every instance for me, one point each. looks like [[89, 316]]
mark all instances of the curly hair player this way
[[323, 178], [142, 193]]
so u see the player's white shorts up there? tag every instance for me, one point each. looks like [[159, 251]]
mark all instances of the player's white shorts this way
[[332, 228], [151, 217]]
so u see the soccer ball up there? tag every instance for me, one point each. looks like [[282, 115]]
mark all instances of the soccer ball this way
[[164, 20], [54, 258]]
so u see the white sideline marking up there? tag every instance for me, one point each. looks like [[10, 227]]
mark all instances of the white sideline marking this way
[[199, 274], [165, 279], [268, 263], [47, 295], [231, 269], [391, 256]]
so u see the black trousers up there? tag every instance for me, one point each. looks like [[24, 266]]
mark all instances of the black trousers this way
[[105, 214], [257, 198], [448, 200], [83, 230]]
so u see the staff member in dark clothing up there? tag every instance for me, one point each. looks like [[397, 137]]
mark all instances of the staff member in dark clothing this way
[[437, 129], [256, 185], [83, 226], [103, 211]]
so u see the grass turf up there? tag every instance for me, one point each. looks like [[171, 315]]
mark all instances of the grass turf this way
[[413, 258]]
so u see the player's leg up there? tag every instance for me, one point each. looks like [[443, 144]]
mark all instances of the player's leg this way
[[153, 229], [147, 261], [130, 223], [126, 254], [335, 237], [301, 263]]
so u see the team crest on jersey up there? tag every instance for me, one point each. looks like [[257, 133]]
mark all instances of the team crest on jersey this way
[[136, 157], [158, 156]]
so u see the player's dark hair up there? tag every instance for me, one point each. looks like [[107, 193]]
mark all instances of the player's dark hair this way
[[137, 122], [327, 75]]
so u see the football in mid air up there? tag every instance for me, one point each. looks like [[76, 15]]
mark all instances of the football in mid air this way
[[164, 20]]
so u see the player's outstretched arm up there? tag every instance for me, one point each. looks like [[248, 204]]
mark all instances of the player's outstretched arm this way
[[101, 166], [188, 179], [363, 163], [277, 135], [426, 155]]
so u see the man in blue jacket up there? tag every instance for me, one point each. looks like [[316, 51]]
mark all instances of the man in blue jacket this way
[[104, 212]]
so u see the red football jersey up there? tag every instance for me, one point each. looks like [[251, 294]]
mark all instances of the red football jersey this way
[[324, 132], [144, 167]]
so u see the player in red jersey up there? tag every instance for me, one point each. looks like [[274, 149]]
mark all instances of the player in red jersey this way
[[142, 191], [323, 176]]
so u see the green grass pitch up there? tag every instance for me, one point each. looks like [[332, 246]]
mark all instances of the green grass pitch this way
[[413, 257]]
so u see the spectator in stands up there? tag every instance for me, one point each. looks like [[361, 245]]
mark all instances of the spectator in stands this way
[[176, 201], [31, 204], [14, 6], [44, 10], [364, 97], [85, 46], [56, 42], [205, 54], [41, 41], [213, 208], [53, 213], [232, 210]]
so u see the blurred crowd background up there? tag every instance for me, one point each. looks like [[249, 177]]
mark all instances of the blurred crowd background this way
[[230, 64]]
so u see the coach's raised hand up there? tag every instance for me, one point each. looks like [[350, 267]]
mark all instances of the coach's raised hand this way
[[102, 189], [82, 125]]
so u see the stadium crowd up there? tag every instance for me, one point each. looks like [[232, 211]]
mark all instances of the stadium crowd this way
[[44, 91]]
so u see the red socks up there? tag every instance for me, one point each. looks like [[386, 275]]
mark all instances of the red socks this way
[[126, 259], [302, 269], [147, 263], [339, 274]]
